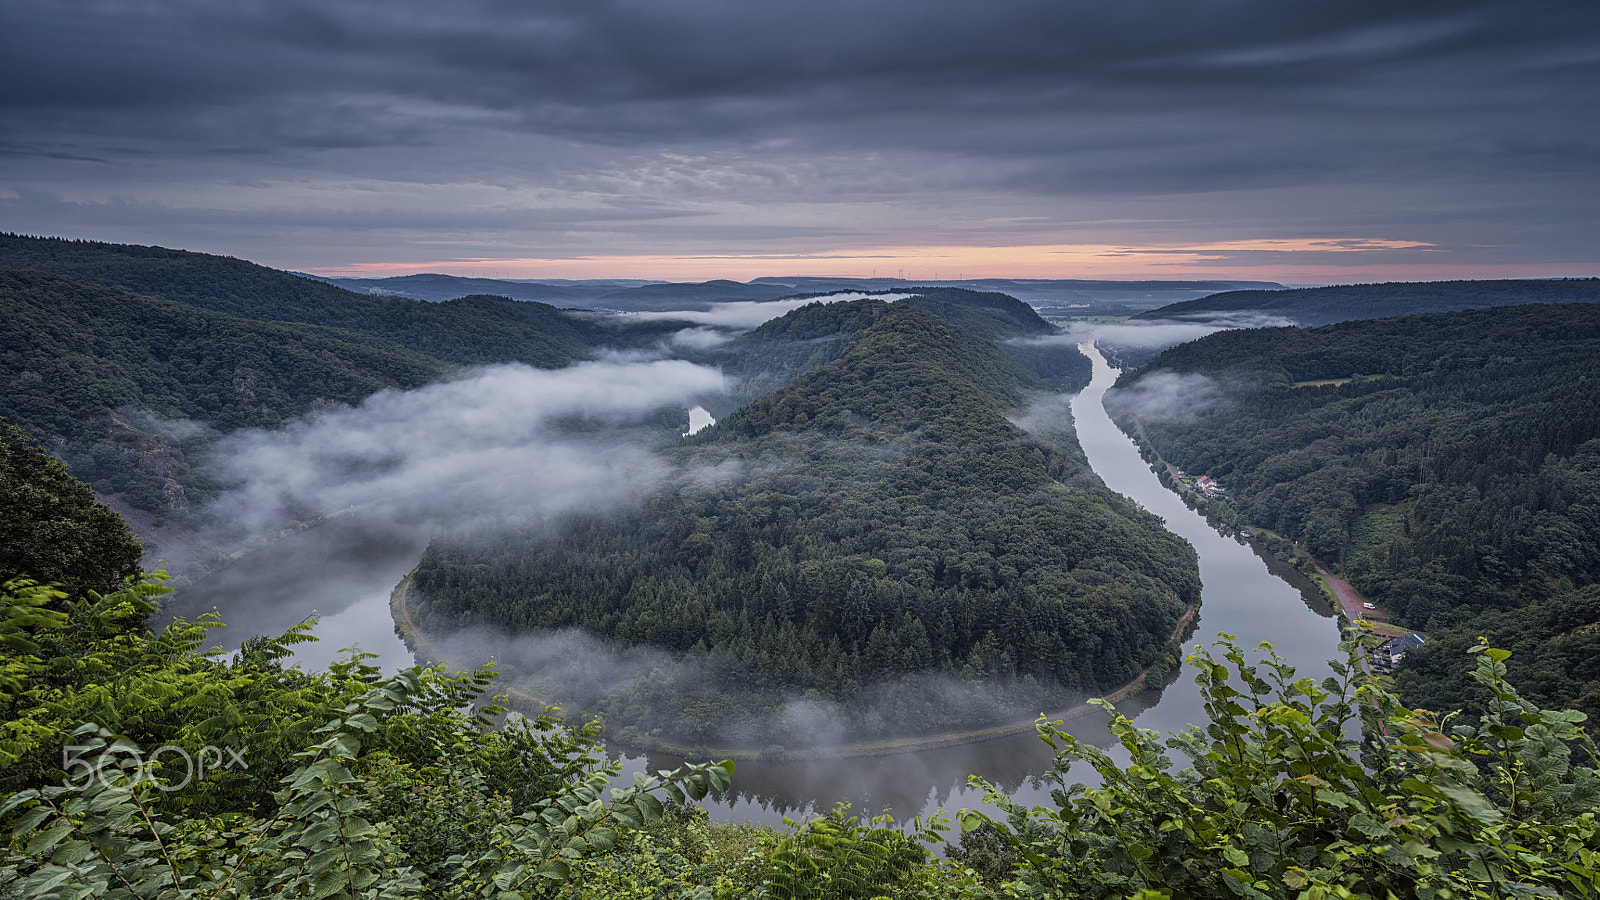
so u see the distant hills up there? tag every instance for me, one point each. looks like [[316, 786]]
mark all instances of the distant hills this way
[[1052, 296], [470, 330], [1340, 303], [602, 294], [436, 288]]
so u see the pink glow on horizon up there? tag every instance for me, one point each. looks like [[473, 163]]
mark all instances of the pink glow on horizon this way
[[1322, 261]]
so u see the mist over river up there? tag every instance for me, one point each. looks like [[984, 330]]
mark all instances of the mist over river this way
[[345, 569]]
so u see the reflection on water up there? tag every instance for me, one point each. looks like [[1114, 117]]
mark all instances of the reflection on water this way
[[345, 569], [340, 571]]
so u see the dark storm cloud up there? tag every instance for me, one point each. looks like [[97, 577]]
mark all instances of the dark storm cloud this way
[[983, 108]]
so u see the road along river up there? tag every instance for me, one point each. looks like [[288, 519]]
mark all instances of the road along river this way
[[1245, 594]]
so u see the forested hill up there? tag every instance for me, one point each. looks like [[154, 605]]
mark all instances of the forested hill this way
[[990, 315], [903, 371], [85, 367], [101, 337], [1448, 464], [892, 544], [1340, 303], [774, 354], [469, 330]]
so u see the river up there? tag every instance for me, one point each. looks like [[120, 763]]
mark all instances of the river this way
[[345, 570]]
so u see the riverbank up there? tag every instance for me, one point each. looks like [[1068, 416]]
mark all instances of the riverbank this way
[[528, 704], [1345, 598], [1338, 591]]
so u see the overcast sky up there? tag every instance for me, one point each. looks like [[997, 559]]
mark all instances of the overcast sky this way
[[687, 139]]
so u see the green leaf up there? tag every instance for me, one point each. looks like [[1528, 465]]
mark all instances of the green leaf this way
[[31, 820], [44, 840]]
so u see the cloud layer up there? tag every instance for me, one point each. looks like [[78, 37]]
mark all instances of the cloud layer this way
[[321, 134], [1165, 397]]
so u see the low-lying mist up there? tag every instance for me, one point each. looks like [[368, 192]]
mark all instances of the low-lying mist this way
[[1165, 397], [1162, 333], [503, 441], [646, 687], [327, 514], [1158, 334]]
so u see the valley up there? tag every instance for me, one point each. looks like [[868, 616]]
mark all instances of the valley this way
[[1245, 593], [859, 542]]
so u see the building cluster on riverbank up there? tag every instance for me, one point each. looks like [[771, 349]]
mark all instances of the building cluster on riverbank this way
[[1204, 485], [1388, 654]]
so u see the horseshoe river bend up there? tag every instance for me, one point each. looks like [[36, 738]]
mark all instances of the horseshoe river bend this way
[[345, 571]]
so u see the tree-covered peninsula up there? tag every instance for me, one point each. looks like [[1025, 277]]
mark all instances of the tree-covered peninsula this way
[[879, 538], [1448, 465]]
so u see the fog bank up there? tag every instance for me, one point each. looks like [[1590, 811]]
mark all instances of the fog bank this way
[[328, 513]]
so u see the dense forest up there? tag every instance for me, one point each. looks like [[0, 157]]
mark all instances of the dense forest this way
[[1343, 302], [890, 523], [1448, 465], [136, 764], [118, 382], [52, 529]]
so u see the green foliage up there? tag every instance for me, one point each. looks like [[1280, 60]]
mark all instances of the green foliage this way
[[51, 527], [1284, 800], [355, 785], [987, 852], [839, 857], [892, 525], [1454, 478], [319, 805]]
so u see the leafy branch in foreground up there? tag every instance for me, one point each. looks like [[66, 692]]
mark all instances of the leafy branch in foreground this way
[[108, 838], [1286, 798], [346, 760]]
